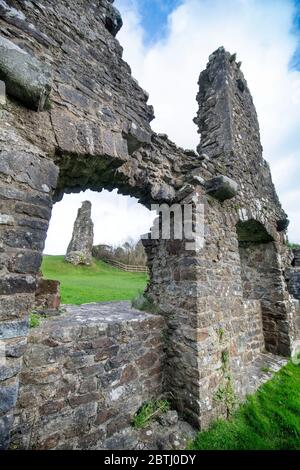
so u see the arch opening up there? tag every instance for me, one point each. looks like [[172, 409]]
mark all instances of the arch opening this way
[[262, 279], [117, 267], [252, 231]]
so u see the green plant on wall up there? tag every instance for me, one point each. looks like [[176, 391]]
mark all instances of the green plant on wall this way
[[221, 333], [34, 320], [149, 411], [225, 392]]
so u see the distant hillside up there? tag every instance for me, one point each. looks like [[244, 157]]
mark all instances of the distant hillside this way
[[97, 283]]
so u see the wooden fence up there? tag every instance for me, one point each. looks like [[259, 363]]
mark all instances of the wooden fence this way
[[126, 267]]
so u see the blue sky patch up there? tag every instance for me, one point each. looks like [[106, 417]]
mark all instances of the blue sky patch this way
[[154, 14], [295, 62]]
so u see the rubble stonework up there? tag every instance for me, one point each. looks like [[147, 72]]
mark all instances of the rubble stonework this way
[[292, 275], [95, 364], [95, 133], [80, 247]]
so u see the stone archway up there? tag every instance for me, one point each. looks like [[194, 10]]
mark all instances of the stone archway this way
[[263, 280]]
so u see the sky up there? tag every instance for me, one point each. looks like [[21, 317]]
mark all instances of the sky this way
[[167, 44]]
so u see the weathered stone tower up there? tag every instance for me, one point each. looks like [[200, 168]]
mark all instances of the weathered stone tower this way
[[80, 247], [68, 125]]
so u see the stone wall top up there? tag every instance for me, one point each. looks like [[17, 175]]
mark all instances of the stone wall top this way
[[85, 375]]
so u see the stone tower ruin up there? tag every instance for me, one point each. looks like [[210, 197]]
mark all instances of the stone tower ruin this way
[[80, 247], [68, 125]]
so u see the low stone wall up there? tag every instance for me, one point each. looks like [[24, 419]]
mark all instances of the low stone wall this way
[[86, 372]]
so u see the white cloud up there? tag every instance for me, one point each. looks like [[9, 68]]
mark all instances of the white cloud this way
[[260, 31]]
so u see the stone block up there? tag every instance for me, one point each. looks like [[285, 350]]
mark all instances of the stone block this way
[[113, 20], [33, 210], [26, 239], [8, 397], [282, 224], [17, 284], [26, 262], [116, 425], [221, 187], [296, 261], [162, 192], [27, 79], [15, 347], [92, 440], [15, 306], [13, 329], [136, 136], [76, 400], [10, 368], [6, 219], [79, 360], [31, 169]]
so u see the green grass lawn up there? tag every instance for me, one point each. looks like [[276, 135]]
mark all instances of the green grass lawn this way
[[97, 283], [270, 419]]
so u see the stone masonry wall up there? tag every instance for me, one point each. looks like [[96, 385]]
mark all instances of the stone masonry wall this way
[[212, 322], [293, 275], [204, 291], [259, 280], [97, 125], [85, 124], [86, 373], [293, 278], [230, 138], [27, 178]]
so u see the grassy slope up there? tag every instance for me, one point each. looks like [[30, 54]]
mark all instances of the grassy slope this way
[[270, 419], [97, 283]]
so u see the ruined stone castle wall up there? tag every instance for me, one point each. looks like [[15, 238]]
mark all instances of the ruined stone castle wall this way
[[226, 289], [84, 123], [26, 182], [98, 115], [86, 373], [293, 278], [293, 275], [229, 130]]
